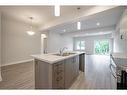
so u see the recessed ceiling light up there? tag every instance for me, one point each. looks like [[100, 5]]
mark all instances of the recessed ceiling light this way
[[78, 25], [43, 36], [57, 10], [64, 30], [98, 24]]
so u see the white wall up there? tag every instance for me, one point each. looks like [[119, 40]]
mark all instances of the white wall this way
[[56, 41], [89, 42], [17, 45], [120, 45]]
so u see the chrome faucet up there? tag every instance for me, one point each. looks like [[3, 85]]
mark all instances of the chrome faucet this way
[[62, 50]]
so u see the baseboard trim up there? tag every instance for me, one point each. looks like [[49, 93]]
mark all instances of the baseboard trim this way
[[18, 62]]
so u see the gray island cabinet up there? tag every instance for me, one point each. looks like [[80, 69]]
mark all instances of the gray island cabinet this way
[[59, 75]]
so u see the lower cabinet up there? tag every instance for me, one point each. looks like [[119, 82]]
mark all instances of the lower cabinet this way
[[76, 66], [68, 72], [71, 70], [59, 75]]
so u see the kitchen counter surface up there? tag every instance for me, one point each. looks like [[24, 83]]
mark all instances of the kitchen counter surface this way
[[119, 55], [121, 60], [51, 58]]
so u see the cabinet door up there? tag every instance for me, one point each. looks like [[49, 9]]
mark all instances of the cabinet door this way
[[71, 70], [68, 72], [75, 66], [42, 80]]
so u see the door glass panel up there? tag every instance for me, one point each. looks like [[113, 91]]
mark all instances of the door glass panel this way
[[101, 47], [80, 45]]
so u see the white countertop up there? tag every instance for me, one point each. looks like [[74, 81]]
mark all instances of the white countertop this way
[[50, 58], [121, 60], [120, 55]]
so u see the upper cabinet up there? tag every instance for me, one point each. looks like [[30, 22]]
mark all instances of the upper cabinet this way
[[123, 26]]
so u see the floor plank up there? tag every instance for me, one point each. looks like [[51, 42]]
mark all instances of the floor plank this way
[[19, 76]]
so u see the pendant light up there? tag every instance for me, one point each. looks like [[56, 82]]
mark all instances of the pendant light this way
[[31, 32], [57, 10], [78, 25]]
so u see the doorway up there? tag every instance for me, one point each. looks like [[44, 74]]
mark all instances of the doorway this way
[[101, 47]]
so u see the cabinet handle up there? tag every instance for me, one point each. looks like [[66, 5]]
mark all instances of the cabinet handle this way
[[58, 78], [58, 72]]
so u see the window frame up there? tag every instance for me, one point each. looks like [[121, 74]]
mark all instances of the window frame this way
[[75, 48], [100, 41]]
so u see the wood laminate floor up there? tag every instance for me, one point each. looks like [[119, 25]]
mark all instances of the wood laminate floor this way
[[96, 76], [19, 76]]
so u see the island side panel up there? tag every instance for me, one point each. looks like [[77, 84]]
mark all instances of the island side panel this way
[[43, 75]]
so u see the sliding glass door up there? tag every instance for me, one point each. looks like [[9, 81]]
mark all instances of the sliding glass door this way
[[101, 47]]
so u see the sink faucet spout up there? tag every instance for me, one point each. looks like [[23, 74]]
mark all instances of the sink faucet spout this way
[[62, 50]]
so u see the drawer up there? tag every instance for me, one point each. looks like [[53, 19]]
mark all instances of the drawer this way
[[60, 81], [58, 71], [60, 84], [58, 75], [58, 65], [59, 78]]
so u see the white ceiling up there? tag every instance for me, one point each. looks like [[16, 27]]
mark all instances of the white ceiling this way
[[106, 18], [42, 14]]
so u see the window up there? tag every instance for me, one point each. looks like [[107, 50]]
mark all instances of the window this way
[[101, 47], [80, 45]]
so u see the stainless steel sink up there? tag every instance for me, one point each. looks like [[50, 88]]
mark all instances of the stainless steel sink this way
[[64, 54]]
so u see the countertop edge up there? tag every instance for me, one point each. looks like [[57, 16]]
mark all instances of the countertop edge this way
[[52, 62]]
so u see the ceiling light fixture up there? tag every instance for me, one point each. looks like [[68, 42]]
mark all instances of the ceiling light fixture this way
[[64, 30], [78, 25], [43, 36], [31, 32], [98, 24], [57, 10]]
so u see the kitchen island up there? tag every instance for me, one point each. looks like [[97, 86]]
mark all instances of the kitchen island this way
[[53, 71]]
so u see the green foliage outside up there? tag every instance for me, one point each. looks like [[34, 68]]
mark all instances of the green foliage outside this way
[[102, 47]]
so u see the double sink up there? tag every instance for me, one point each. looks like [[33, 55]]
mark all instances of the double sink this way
[[64, 54]]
